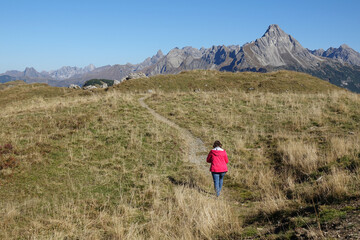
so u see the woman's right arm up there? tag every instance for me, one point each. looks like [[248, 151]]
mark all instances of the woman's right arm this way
[[226, 158]]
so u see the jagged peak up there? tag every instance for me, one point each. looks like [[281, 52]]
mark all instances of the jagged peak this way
[[344, 46], [273, 26], [274, 31], [159, 53], [29, 69]]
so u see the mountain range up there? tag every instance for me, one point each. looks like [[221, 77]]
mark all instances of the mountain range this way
[[275, 50]]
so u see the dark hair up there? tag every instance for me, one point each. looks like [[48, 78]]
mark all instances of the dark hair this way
[[217, 144]]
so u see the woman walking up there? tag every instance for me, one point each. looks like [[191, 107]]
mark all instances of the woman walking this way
[[218, 159]]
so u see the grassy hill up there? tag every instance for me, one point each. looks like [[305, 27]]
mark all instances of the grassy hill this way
[[19, 91], [206, 80], [96, 165]]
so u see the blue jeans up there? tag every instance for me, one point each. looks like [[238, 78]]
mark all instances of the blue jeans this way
[[218, 181]]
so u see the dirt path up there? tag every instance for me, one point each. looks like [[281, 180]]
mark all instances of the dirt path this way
[[197, 151]]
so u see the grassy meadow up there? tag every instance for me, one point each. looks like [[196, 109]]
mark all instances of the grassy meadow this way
[[80, 164]]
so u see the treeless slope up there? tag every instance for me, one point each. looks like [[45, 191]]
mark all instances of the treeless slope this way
[[17, 91], [210, 80]]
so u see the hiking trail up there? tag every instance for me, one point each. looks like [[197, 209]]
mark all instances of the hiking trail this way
[[197, 151]]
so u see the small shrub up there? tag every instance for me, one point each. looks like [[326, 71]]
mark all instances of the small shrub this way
[[98, 82], [7, 148], [250, 232], [330, 214], [7, 159]]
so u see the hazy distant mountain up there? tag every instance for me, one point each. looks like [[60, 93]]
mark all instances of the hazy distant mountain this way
[[112, 72], [68, 72], [344, 53], [29, 75], [275, 50], [6, 78], [29, 72]]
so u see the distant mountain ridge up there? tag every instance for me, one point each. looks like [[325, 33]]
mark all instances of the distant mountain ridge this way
[[275, 50], [344, 53], [68, 72]]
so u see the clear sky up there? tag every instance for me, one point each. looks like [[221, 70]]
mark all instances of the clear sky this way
[[49, 34]]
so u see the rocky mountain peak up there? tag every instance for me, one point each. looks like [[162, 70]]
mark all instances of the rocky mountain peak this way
[[277, 48], [274, 31], [150, 61], [159, 54], [89, 67], [29, 69], [30, 72], [345, 46]]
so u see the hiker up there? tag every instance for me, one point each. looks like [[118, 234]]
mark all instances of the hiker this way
[[218, 159]]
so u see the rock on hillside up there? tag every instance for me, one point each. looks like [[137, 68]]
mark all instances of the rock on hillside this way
[[134, 76], [74, 86]]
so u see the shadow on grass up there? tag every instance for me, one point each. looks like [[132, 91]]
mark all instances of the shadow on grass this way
[[190, 184]]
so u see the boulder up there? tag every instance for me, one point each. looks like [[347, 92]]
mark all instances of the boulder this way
[[89, 87], [134, 76], [116, 82], [104, 85], [74, 86]]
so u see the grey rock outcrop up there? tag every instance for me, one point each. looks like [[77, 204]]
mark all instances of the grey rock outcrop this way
[[89, 87], [134, 75], [116, 82], [74, 86]]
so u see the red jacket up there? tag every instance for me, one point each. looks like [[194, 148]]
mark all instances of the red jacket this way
[[218, 160]]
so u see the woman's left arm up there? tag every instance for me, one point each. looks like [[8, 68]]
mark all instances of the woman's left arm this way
[[208, 159]]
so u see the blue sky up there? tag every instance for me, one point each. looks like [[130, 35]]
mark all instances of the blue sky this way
[[50, 34]]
